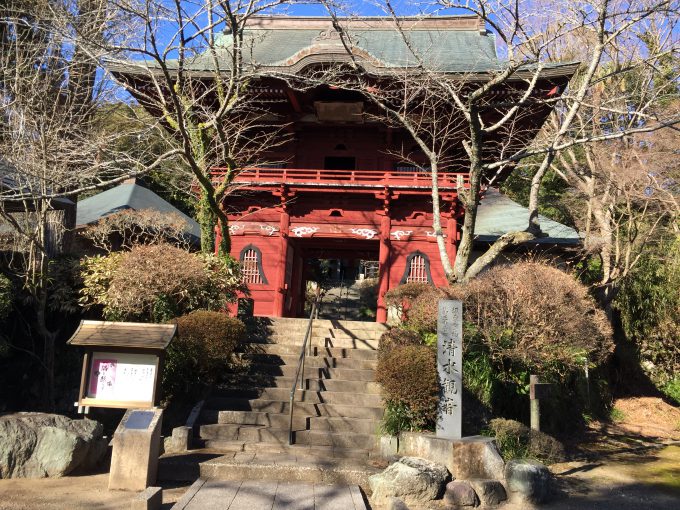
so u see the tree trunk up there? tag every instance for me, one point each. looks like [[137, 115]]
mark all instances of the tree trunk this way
[[470, 199]]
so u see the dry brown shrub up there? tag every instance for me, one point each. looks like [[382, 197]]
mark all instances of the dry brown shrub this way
[[404, 294], [423, 312], [408, 377], [200, 353], [398, 337], [516, 440], [537, 315]]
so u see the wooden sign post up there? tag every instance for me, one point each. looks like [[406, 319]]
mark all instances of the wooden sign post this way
[[122, 364], [450, 369], [537, 391]]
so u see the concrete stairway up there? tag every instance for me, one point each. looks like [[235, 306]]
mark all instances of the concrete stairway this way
[[337, 414]]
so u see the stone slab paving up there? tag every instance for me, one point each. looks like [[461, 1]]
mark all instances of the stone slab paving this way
[[269, 495]]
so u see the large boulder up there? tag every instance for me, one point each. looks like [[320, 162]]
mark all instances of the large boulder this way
[[489, 492], [36, 445], [411, 479], [460, 494], [528, 480]]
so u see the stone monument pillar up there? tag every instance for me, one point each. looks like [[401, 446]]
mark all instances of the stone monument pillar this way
[[136, 448], [450, 369]]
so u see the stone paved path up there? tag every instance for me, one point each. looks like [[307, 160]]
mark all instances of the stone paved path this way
[[266, 495]]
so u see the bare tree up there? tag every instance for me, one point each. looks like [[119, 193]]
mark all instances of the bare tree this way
[[52, 142], [190, 69], [125, 229], [497, 131]]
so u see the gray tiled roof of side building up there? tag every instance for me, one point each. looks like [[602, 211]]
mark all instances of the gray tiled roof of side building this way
[[498, 215], [128, 196]]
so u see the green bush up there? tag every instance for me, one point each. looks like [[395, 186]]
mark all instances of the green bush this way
[[517, 441], [6, 297], [158, 282], [672, 390], [408, 377], [200, 352], [649, 303]]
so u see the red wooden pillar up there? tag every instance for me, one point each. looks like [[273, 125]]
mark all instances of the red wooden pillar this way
[[280, 276], [383, 259]]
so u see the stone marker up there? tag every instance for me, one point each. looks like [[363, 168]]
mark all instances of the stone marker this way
[[136, 448], [150, 498], [528, 480], [450, 369]]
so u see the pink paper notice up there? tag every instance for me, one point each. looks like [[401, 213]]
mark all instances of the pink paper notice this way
[[102, 377]]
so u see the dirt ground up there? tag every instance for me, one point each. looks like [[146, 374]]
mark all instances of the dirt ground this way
[[72, 493]]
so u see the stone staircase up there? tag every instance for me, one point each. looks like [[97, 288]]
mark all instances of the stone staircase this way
[[243, 428]]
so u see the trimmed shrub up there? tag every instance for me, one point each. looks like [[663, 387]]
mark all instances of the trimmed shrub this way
[[398, 337], [538, 317], [158, 282], [423, 312], [201, 352], [517, 441], [405, 294], [408, 377], [527, 313]]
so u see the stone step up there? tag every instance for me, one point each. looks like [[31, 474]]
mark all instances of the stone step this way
[[349, 398], [320, 384], [318, 341], [329, 323], [282, 394], [274, 420], [304, 408], [347, 374], [343, 440], [246, 466], [343, 425], [328, 352], [304, 396], [324, 452], [310, 361], [245, 433]]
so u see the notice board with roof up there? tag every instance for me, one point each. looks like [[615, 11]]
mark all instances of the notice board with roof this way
[[122, 363]]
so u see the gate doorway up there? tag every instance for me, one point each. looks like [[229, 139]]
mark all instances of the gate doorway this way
[[346, 272]]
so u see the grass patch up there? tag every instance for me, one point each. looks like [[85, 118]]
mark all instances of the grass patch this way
[[616, 415]]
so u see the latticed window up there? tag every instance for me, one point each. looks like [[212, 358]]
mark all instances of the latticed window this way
[[251, 266], [417, 271]]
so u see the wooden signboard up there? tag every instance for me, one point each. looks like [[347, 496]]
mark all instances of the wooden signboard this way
[[122, 363]]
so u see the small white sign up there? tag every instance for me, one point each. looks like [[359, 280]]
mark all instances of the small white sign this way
[[122, 377]]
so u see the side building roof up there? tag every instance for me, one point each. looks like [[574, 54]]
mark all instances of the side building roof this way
[[498, 214], [129, 196]]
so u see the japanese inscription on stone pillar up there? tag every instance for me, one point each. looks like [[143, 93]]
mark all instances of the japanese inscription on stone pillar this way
[[450, 368]]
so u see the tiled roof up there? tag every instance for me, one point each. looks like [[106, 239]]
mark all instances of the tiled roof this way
[[498, 215], [453, 44], [128, 196]]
